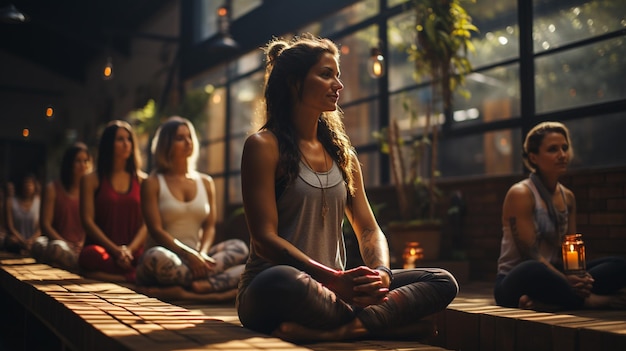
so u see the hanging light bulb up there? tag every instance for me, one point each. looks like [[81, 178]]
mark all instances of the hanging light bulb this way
[[375, 64], [224, 42], [107, 72]]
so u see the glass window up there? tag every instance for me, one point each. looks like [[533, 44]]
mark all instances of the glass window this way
[[246, 104], [216, 115], [493, 95], [234, 189], [355, 52], [205, 19], [598, 140], [498, 31], [560, 22], [492, 153], [370, 166], [581, 76], [346, 17], [400, 36], [360, 120], [410, 109], [242, 7]]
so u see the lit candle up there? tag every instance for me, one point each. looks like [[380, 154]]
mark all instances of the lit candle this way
[[571, 260]]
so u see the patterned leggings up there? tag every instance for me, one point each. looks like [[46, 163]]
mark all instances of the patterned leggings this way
[[57, 253], [283, 293], [161, 267]]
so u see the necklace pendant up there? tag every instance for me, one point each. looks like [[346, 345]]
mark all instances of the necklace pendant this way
[[324, 210]]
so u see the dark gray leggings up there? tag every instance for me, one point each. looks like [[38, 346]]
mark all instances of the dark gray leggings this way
[[285, 294], [541, 284]]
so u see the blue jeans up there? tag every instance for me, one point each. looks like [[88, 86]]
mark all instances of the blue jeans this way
[[541, 284], [285, 294]]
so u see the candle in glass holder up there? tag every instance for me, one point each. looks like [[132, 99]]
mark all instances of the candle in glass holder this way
[[573, 249], [412, 253]]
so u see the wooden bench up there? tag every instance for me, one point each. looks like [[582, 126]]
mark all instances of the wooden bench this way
[[473, 322], [83, 314]]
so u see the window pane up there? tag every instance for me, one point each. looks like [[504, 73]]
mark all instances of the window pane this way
[[236, 149], [246, 104], [348, 16], [559, 22], [360, 120], [494, 95], [215, 116], [355, 51], [370, 164], [581, 76], [400, 37], [219, 196], [598, 140], [211, 158], [411, 110], [242, 7], [234, 189], [493, 153], [498, 36]]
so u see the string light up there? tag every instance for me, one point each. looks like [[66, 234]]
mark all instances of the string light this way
[[107, 72]]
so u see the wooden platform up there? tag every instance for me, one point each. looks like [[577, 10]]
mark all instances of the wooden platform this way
[[83, 314]]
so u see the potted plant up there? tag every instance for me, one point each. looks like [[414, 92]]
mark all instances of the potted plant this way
[[438, 47]]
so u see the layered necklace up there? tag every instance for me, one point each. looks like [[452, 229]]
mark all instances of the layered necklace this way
[[324, 203]]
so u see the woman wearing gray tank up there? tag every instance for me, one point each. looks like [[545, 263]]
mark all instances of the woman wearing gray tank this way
[[300, 176]]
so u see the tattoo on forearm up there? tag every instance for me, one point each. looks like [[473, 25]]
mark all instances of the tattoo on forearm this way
[[526, 251], [370, 247]]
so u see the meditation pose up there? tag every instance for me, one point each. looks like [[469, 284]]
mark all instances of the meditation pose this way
[[110, 208], [181, 260], [22, 207], [300, 176], [536, 215], [63, 231]]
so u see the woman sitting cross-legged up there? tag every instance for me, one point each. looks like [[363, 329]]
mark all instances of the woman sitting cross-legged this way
[[178, 203], [60, 215]]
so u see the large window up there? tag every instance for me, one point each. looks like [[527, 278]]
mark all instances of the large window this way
[[577, 51]]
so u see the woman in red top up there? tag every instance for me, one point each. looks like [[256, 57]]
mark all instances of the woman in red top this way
[[60, 217], [110, 208]]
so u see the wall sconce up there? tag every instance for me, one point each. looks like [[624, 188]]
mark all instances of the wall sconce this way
[[574, 254], [412, 253], [107, 71], [375, 63]]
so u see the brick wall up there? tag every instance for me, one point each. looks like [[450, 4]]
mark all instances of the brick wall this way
[[601, 215]]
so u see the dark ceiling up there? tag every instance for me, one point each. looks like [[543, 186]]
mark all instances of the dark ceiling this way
[[65, 35]]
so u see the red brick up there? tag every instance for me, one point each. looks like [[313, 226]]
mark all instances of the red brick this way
[[607, 218], [616, 204]]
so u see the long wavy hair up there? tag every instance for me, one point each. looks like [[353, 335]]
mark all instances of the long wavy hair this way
[[67, 163], [105, 150], [287, 65]]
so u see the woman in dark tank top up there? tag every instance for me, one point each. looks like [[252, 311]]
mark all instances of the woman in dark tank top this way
[[537, 213]]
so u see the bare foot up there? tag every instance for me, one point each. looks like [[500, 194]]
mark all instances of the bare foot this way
[[616, 301], [525, 303], [297, 333]]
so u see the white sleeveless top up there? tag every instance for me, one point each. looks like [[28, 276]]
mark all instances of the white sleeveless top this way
[[183, 220], [25, 221]]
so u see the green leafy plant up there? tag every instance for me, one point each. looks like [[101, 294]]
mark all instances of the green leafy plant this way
[[438, 46]]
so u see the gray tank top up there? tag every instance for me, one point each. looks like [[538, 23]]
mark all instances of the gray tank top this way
[[547, 240], [300, 220]]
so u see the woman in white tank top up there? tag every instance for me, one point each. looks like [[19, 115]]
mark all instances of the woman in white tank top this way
[[178, 204], [22, 215]]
